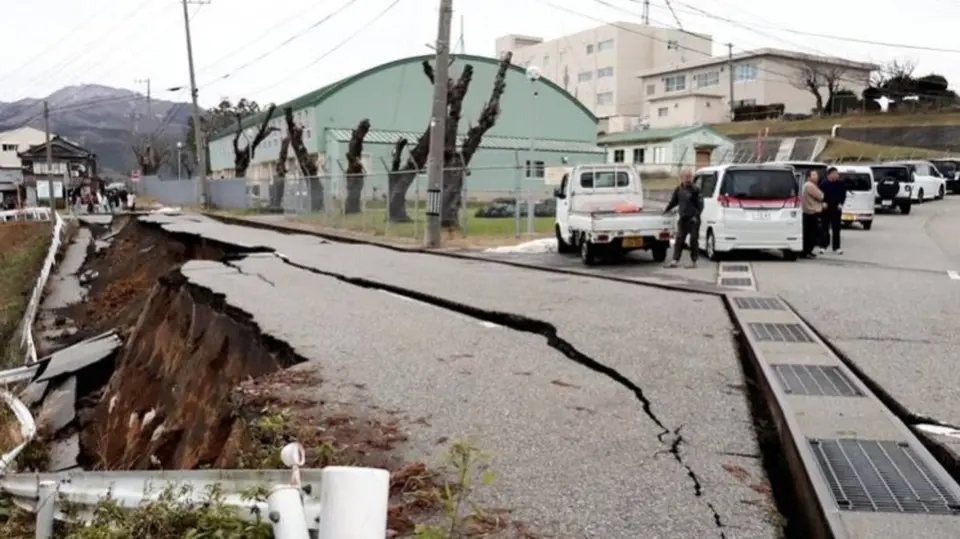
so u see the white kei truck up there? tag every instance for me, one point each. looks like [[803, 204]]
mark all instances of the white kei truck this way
[[600, 213]]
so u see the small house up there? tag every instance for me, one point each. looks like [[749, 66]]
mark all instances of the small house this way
[[666, 151]]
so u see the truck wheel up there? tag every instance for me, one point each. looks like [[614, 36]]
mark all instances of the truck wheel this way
[[588, 253], [920, 198], [562, 246], [941, 193], [905, 208], [867, 225], [659, 252]]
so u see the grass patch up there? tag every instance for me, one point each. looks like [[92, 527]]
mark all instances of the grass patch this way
[[854, 120], [23, 247], [850, 151]]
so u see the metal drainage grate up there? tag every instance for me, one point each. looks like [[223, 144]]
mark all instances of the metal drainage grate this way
[[770, 304], [735, 268], [735, 281], [881, 476], [816, 380], [780, 332]]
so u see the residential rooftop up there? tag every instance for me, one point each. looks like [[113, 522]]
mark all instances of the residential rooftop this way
[[758, 53]]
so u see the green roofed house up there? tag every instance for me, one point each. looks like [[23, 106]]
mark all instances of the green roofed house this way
[[396, 97], [666, 150]]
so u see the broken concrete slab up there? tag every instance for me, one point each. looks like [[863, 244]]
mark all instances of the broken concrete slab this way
[[64, 453], [33, 393], [81, 355], [59, 408]]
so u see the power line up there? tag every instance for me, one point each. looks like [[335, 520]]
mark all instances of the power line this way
[[282, 44], [333, 49]]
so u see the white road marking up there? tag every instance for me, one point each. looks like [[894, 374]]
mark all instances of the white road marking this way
[[482, 323], [953, 275]]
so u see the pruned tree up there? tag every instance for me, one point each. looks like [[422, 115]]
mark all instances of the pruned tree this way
[[152, 154], [213, 121], [455, 159], [355, 170], [244, 155], [816, 77], [309, 169]]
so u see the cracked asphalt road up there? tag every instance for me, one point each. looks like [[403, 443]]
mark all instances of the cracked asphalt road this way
[[889, 304], [577, 454]]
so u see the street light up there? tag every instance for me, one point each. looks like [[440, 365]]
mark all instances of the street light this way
[[533, 75], [179, 160]]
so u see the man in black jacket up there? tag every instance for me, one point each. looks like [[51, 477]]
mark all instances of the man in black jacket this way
[[686, 198], [834, 195]]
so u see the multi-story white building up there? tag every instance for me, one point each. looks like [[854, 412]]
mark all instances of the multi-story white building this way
[[599, 66], [18, 140], [689, 93]]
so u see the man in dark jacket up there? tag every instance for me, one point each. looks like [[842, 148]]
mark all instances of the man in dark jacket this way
[[686, 198], [834, 195]]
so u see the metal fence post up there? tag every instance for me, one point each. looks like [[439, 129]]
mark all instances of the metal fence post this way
[[46, 509], [464, 199], [419, 225], [517, 188], [386, 211], [353, 503], [285, 511]]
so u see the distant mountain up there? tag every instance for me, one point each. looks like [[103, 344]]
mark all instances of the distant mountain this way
[[101, 119]]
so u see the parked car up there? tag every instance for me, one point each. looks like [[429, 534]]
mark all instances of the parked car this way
[[928, 183], [950, 168], [750, 208], [893, 187], [600, 213], [859, 205]]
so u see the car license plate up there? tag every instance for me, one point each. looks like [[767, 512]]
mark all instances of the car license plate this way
[[633, 241], [847, 217], [886, 203], [761, 216]]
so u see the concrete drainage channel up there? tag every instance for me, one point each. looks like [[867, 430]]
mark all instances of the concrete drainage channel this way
[[736, 275]]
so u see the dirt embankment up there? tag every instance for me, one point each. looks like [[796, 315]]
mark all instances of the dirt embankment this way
[[23, 247]]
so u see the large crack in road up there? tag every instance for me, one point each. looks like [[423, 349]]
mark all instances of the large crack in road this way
[[673, 439]]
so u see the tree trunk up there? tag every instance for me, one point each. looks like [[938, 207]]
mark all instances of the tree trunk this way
[[308, 165], [451, 195], [355, 172], [279, 185], [398, 183]]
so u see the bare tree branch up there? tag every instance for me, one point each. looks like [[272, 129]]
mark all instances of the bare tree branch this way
[[355, 170], [489, 114], [458, 92], [281, 168], [397, 156]]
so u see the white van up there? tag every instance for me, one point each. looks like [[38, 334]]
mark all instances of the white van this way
[[860, 202], [750, 208], [928, 183]]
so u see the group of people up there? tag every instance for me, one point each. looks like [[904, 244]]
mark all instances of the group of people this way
[[822, 202], [102, 201]]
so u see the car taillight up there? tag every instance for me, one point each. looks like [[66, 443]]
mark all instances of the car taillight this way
[[664, 234], [792, 202], [725, 200]]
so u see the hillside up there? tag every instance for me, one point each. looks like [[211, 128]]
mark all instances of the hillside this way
[[822, 125], [100, 118]]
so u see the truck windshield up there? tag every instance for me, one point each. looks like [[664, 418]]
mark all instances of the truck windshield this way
[[601, 179], [856, 181], [900, 174], [759, 184]]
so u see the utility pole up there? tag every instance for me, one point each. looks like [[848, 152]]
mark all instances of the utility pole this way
[[197, 129], [733, 106], [438, 124], [149, 105], [46, 128], [646, 12]]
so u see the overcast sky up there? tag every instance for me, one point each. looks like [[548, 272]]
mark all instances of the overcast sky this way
[[48, 44]]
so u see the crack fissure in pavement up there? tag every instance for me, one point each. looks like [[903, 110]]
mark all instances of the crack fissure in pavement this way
[[550, 333]]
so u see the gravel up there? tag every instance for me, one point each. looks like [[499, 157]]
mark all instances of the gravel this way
[[576, 461]]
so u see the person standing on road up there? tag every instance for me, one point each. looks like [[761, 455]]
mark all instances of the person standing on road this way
[[812, 204], [686, 198], [834, 195]]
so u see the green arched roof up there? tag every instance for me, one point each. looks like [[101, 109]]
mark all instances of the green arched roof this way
[[318, 96]]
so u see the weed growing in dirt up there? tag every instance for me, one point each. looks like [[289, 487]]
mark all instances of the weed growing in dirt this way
[[462, 518], [23, 246]]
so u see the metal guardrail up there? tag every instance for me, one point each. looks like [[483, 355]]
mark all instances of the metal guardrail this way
[[30, 314], [330, 503]]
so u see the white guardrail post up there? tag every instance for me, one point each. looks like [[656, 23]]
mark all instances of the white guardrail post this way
[[46, 509], [353, 503]]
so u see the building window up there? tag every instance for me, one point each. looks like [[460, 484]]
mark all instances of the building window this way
[[538, 169], [605, 98], [659, 155], [10, 147], [746, 72], [585, 76], [706, 80], [605, 45], [663, 111], [675, 83], [651, 89], [590, 48], [638, 155], [618, 156], [746, 102], [604, 72], [673, 45]]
